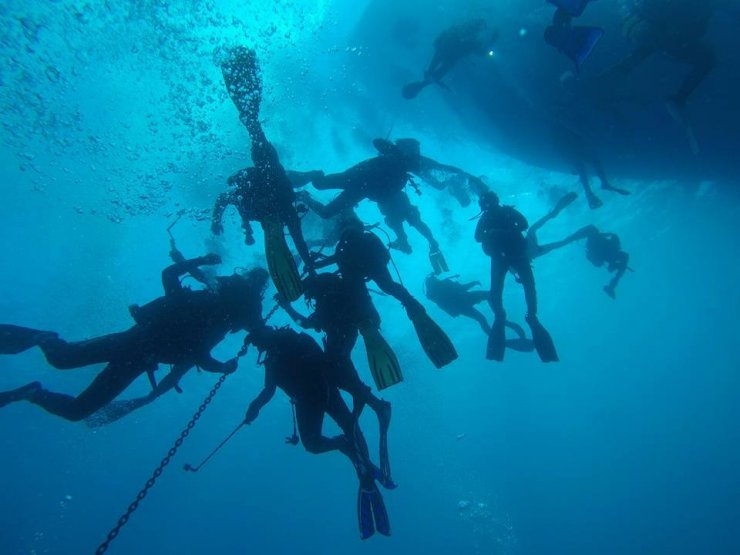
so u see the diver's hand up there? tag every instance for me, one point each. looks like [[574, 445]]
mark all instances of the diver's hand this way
[[251, 415], [210, 259]]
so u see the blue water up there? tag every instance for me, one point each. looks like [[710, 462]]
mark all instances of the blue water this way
[[115, 118]]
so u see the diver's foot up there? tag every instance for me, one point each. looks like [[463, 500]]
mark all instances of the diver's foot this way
[[384, 416], [610, 291], [594, 202], [21, 394], [401, 245], [383, 479], [613, 189]]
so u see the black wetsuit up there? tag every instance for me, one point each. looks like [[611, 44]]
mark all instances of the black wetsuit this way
[[297, 365], [382, 180], [361, 256], [500, 231], [179, 329]]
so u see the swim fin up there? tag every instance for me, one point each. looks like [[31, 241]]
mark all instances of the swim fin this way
[[371, 512], [23, 393], [439, 264], [542, 341], [411, 90], [433, 339], [381, 359], [280, 262], [16, 339], [496, 341], [575, 42]]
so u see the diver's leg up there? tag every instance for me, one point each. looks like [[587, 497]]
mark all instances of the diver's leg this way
[[601, 174], [63, 355], [526, 275], [110, 383], [496, 296], [593, 201], [474, 314], [413, 217], [293, 222], [310, 420], [583, 233], [382, 277], [621, 266], [341, 202], [703, 60], [393, 211]]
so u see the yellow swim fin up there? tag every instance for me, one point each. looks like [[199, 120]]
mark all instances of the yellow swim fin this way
[[380, 357], [280, 262], [433, 339]]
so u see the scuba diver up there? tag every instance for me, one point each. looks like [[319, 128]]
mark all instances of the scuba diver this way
[[601, 249], [457, 299], [678, 29], [361, 256], [340, 314], [297, 365], [264, 192], [382, 180], [451, 46], [180, 328], [500, 232], [576, 42], [577, 152]]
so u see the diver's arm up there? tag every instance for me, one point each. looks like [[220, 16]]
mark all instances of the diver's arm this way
[[260, 401], [246, 225], [171, 274], [324, 262], [210, 364], [222, 202]]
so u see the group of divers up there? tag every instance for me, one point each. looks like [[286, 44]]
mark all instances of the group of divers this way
[[181, 327]]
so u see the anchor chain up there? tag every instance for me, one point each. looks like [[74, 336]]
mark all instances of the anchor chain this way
[[123, 520]]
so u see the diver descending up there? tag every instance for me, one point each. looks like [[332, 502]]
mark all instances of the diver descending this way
[[451, 46], [180, 328], [361, 256], [382, 180], [294, 363], [500, 232], [264, 192]]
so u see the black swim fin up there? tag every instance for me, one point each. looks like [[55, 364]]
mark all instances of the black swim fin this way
[[435, 342], [411, 90], [496, 341], [16, 339], [542, 341]]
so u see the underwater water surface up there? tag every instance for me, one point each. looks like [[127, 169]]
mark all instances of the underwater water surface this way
[[115, 122]]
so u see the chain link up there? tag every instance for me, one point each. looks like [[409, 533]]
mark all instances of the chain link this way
[[123, 520]]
